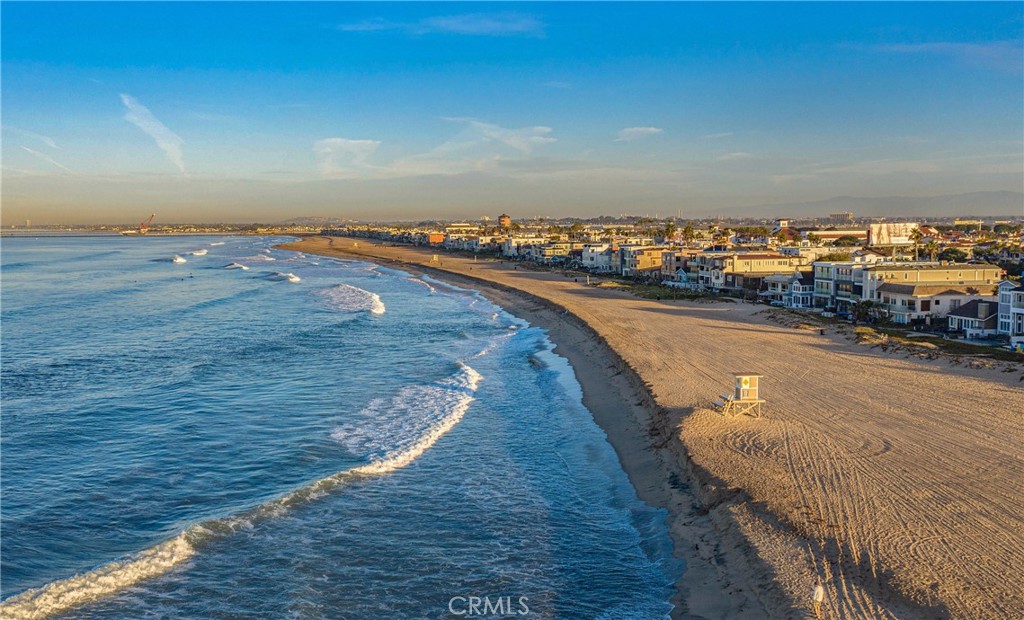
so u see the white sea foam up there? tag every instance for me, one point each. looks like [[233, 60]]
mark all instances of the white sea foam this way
[[280, 276], [445, 403], [178, 259], [217, 243], [201, 252], [424, 283], [388, 426], [236, 266], [349, 298], [65, 594]]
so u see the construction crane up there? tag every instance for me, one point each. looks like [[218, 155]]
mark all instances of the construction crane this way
[[144, 226]]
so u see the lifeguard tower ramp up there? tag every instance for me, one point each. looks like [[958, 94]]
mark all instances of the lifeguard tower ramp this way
[[746, 399]]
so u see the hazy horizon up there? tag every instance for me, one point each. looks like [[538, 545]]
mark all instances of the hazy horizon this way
[[261, 112]]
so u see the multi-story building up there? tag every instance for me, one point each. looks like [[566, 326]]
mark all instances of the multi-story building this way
[[1017, 316], [839, 284], [929, 303], [923, 292], [738, 271], [792, 290], [1005, 292], [641, 260], [597, 257], [514, 247], [675, 260], [965, 274], [975, 319]]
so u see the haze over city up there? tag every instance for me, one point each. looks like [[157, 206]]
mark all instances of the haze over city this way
[[246, 112]]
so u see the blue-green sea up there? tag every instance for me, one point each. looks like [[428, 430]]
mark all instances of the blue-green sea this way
[[202, 427]]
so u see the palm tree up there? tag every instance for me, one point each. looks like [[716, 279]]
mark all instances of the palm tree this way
[[669, 231], [916, 235], [932, 249], [689, 234]]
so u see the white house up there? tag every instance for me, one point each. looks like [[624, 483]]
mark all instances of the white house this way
[[597, 257], [907, 303], [1017, 316], [1006, 288]]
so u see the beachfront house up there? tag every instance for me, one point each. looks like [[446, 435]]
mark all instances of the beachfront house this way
[[923, 303], [515, 247], [792, 290], [640, 261], [957, 274], [1016, 332], [1005, 292], [675, 263], [839, 284], [597, 257], [742, 271], [975, 319]]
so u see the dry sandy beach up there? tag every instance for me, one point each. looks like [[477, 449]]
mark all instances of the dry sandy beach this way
[[895, 479]]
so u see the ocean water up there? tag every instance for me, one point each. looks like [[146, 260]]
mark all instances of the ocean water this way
[[254, 433]]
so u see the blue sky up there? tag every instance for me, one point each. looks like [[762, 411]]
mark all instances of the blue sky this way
[[261, 111]]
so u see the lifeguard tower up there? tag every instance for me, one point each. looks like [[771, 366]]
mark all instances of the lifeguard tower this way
[[746, 399]]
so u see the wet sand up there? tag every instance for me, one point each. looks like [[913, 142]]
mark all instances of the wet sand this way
[[896, 479]]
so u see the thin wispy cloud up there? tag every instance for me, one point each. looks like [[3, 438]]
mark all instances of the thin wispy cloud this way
[[47, 159], [735, 156], [630, 134], [478, 147], [169, 142], [476, 132], [717, 136], [474, 24], [998, 55], [340, 156], [47, 140]]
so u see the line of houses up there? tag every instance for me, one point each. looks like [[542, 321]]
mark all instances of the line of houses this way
[[973, 299]]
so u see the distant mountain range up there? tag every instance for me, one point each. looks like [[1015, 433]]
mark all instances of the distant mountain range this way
[[974, 204]]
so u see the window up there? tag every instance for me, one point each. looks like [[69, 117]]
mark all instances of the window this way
[[954, 304], [926, 305]]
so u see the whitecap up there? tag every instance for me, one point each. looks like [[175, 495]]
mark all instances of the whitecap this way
[[443, 406], [349, 298]]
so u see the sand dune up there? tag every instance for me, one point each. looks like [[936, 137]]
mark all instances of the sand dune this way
[[897, 480]]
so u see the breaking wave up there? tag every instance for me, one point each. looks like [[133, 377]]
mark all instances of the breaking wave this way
[[431, 289], [349, 298], [437, 408], [236, 266]]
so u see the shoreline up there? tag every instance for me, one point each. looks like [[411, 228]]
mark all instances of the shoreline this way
[[892, 477], [610, 386]]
